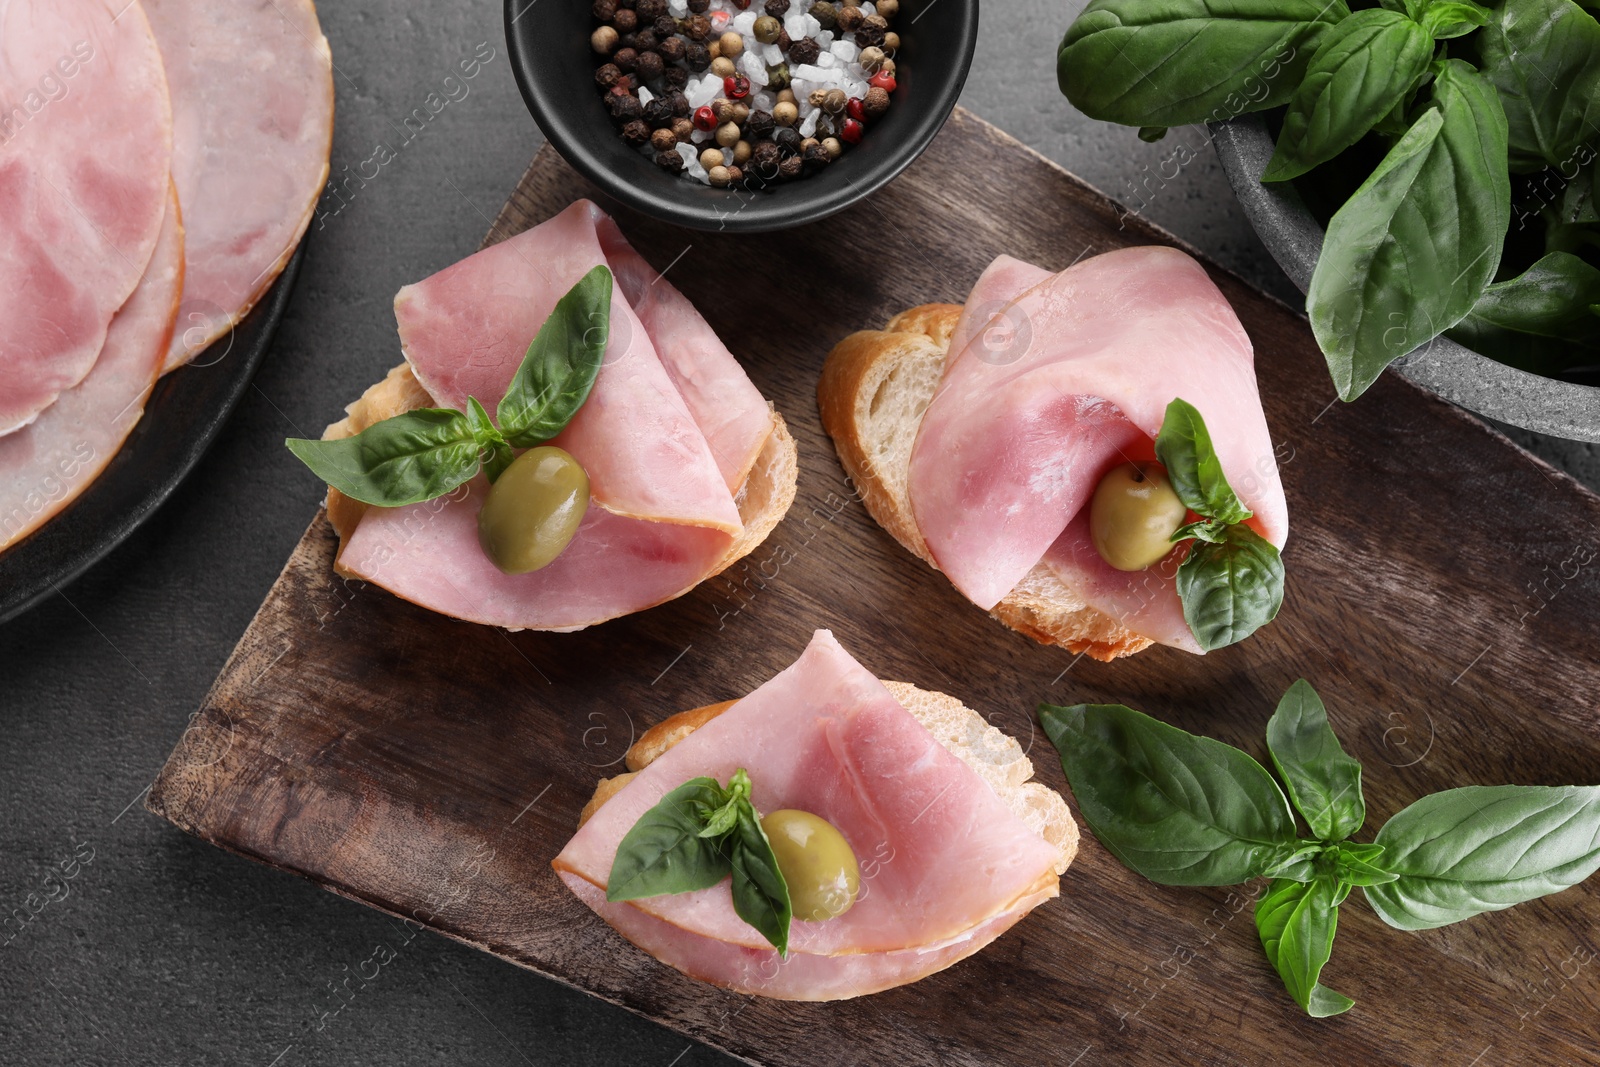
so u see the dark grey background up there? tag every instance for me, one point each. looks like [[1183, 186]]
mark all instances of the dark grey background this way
[[166, 951]]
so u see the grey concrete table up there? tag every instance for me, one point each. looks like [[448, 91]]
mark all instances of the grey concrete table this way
[[160, 950]]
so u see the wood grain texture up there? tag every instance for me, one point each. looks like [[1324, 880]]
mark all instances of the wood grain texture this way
[[1441, 597]]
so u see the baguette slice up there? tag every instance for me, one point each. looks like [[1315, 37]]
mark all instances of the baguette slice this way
[[875, 387], [995, 756], [763, 499]]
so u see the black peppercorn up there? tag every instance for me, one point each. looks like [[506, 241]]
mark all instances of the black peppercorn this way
[[678, 101], [697, 55], [606, 74], [777, 8], [850, 19], [787, 138], [650, 10], [764, 159], [604, 10], [816, 156], [650, 65], [645, 40], [672, 49], [758, 125], [676, 77], [805, 50], [784, 41], [664, 27], [625, 21], [658, 112], [624, 107], [625, 58], [870, 33], [669, 161], [698, 27], [636, 132], [699, 7], [791, 167]]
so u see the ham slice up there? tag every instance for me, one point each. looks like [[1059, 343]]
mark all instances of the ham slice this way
[[44, 466], [1053, 379], [662, 515], [466, 329], [85, 161], [252, 100], [726, 405], [946, 865]]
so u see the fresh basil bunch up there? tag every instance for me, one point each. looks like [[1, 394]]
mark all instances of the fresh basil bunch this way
[[1186, 810], [1231, 583], [699, 834], [1479, 113], [427, 453]]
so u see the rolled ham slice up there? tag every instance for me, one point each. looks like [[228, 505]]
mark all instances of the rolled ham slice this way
[[1053, 379], [466, 329], [252, 100], [946, 865], [664, 508], [85, 162]]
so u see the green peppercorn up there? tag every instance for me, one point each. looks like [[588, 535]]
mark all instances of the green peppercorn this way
[[825, 13], [778, 77], [766, 29]]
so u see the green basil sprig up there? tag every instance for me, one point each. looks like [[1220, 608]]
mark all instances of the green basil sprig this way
[[697, 835], [1410, 252], [1231, 583], [426, 453], [1187, 810], [1175, 62], [1365, 66], [1543, 57]]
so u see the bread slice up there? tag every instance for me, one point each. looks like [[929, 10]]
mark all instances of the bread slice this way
[[763, 499], [875, 387], [995, 756]]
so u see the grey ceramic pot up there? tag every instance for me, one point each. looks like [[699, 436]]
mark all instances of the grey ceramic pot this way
[[1460, 375]]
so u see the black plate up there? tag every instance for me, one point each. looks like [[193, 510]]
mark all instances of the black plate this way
[[183, 416], [554, 67]]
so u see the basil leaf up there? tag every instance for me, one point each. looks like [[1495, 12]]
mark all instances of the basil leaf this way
[[1152, 134], [721, 820], [1296, 922], [1409, 253], [1176, 808], [1543, 56], [1176, 62], [1484, 848], [1445, 19], [1358, 865], [1209, 530], [1299, 865], [1540, 320], [495, 453], [559, 370], [1323, 781], [404, 460], [1364, 67], [1184, 448], [760, 895], [664, 852], [1230, 589]]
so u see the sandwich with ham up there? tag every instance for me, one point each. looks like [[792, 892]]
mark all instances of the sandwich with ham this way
[[1083, 453], [876, 804], [631, 457]]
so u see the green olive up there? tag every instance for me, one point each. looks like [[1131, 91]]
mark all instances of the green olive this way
[[533, 510], [816, 862], [1134, 515]]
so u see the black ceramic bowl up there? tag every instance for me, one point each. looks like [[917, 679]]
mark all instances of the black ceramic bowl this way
[[549, 44]]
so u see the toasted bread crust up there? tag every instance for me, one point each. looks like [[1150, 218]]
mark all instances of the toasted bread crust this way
[[763, 499], [900, 366]]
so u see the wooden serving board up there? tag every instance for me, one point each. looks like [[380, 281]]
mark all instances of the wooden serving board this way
[[1441, 596]]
